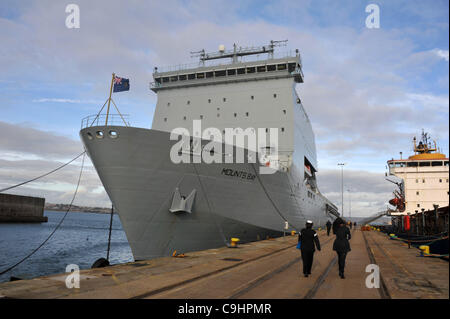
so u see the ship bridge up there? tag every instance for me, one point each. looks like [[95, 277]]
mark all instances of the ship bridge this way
[[282, 65], [424, 178]]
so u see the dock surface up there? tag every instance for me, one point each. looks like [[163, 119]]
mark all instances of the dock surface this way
[[266, 269]]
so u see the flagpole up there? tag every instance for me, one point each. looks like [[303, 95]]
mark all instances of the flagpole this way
[[109, 99]]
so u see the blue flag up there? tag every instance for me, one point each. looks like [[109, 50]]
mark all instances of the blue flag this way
[[121, 84]]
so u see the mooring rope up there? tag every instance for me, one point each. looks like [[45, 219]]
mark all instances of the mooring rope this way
[[60, 222]]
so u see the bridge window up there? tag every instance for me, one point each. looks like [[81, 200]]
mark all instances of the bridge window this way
[[421, 164], [261, 68], [200, 75], [165, 79], [220, 73], [446, 163], [281, 67], [173, 78], [241, 71], [182, 77], [251, 70], [436, 163], [411, 164], [271, 67], [158, 80], [291, 67], [400, 164], [191, 76], [231, 72], [209, 74]]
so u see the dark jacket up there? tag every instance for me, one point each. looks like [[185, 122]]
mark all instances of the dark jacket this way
[[341, 244], [308, 237]]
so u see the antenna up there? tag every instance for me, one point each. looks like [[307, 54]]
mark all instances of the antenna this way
[[200, 54], [238, 51], [276, 43]]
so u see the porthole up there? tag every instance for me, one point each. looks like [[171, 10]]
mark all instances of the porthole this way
[[224, 99], [165, 119], [168, 103], [209, 100], [282, 129], [235, 114], [99, 134], [89, 135], [201, 117], [113, 134], [274, 95], [246, 114], [284, 111], [252, 97], [184, 118], [188, 102]]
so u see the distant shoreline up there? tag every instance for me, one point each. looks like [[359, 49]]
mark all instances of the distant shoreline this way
[[77, 209]]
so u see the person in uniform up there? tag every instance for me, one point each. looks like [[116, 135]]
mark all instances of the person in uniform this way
[[328, 227], [309, 240], [342, 246]]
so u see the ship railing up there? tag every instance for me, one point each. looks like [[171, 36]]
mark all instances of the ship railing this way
[[243, 59], [100, 120]]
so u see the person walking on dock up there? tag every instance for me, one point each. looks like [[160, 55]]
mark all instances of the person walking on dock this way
[[342, 246], [308, 239], [350, 224], [328, 227]]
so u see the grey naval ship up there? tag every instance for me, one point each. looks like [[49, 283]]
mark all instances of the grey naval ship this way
[[166, 206]]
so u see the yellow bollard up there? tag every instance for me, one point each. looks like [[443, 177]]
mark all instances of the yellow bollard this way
[[293, 233], [425, 249], [234, 242], [319, 229]]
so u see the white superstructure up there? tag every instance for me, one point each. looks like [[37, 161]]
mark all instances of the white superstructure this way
[[425, 179]]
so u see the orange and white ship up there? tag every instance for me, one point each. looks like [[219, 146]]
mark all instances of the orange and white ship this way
[[424, 179]]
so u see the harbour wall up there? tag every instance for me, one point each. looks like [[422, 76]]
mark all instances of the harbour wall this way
[[21, 209]]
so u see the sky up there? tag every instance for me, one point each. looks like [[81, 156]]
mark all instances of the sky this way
[[367, 91]]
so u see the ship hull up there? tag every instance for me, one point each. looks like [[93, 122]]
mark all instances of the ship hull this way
[[231, 200]]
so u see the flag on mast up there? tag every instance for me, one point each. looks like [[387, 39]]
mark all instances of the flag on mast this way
[[121, 84]]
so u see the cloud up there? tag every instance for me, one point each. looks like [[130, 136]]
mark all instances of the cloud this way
[[23, 139], [441, 53], [59, 100]]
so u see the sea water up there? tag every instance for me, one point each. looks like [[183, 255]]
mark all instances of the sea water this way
[[81, 239]]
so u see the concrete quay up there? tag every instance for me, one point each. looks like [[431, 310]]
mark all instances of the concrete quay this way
[[266, 269]]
